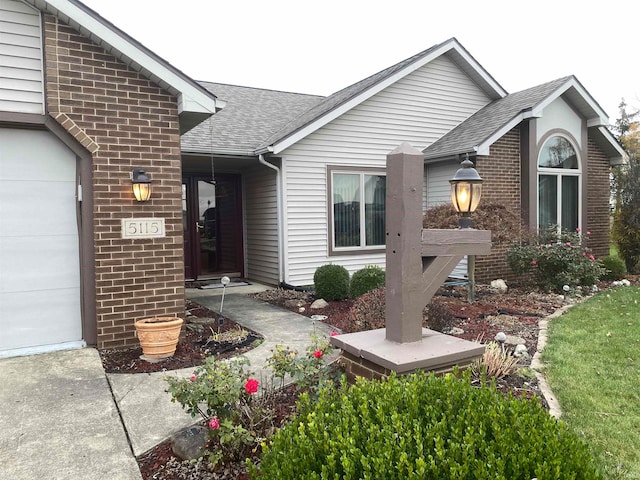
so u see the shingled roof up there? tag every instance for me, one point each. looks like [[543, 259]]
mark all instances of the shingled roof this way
[[482, 125], [249, 117]]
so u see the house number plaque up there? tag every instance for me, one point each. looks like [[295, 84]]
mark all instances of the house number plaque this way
[[143, 227]]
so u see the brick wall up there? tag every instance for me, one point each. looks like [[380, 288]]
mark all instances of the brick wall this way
[[125, 121], [501, 174], [598, 191]]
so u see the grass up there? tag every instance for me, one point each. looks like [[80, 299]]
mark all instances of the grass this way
[[593, 367]]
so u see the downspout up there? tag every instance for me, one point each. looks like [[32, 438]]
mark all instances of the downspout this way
[[278, 216]]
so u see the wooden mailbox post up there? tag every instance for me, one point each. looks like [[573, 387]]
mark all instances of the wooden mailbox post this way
[[418, 261]]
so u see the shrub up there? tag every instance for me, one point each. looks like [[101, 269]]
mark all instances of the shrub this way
[[505, 223], [554, 261], [421, 426], [224, 395], [615, 268], [626, 234], [331, 282], [369, 310], [310, 372], [367, 279]]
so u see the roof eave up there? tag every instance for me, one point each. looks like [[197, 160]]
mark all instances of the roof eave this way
[[192, 98]]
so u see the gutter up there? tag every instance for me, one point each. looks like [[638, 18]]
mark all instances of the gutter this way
[[278, 216]]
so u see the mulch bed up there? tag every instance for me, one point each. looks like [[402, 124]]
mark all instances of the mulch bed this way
[[515, 312], [193, 347]]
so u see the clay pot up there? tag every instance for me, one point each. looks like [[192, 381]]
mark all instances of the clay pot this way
[[158, 336]]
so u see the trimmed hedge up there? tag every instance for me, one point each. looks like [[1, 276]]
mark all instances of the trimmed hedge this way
[[615, 266], [366, 279], [420, 426], [331, 282]]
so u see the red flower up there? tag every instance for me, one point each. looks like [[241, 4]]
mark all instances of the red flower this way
[[534, 263], [333, 333], [588, 233], [317, 354], [214, 423], [251, 386], [568, 244], [193, 378], [578, 229]]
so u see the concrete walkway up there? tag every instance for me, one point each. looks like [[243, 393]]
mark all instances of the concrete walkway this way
[[58, 417], [148, 414]]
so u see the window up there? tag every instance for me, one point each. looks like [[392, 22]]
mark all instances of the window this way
[[358, 209], [559, 179]]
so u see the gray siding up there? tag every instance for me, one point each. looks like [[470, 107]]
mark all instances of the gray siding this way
[[261, 225], [419, 109], [21, 84]]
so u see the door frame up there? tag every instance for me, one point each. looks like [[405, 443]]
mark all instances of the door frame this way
[[192, 259]]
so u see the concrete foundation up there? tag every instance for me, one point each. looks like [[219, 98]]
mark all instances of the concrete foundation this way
[[369, 354]]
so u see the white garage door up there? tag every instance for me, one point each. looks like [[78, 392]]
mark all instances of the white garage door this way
[[39, 259], [439, 192]]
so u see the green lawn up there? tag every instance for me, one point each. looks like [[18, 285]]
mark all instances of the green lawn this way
[[593, 367]]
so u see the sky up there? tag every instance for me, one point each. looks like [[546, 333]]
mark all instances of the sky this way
[[320, 47]]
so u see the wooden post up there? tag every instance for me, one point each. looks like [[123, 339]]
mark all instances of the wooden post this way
[[405, 169]]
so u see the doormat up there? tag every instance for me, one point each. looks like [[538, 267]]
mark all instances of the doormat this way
[[219, 285]]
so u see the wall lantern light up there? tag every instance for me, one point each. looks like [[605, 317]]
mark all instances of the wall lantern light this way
[[466, 190], [141, 184]]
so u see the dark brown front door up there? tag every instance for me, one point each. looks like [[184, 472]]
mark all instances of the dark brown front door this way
[[212, 222]]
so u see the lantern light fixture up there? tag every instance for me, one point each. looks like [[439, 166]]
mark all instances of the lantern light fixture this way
[[466, 190], [141, 184]]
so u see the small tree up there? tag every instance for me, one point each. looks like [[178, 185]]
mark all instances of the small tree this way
[[626, 182]]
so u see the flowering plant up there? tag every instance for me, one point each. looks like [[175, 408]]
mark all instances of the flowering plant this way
[[309, 371], [556, 260], [224, 395]]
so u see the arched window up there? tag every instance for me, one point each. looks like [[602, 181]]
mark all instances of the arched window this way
[[559, 183]]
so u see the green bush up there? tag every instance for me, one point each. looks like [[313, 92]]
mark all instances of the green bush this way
[[367, 279], [420, 426], [556, 261], [331, 282], [616, 269], [626, 234]]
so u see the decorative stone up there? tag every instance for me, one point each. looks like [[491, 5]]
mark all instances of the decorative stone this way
[[455, 331], [301, 309], [520, 351], [499, 286], [319, 304], [189, 443], [293, 303], [513, 340]]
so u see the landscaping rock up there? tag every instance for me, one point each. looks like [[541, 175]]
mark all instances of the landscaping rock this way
[[499, 286], [455, 331], [513, 340], [319, 304], [189, 443], [294, 303], [520, 351]]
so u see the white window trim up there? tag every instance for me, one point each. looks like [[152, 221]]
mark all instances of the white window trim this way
[[361, 172], [559, 173]]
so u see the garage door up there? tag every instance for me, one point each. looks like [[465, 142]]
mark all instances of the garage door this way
[[439, 192], [39, 257]]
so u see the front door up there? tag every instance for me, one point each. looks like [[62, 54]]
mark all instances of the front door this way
[[212, 222]]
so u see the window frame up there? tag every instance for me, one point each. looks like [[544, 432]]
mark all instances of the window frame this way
[[559, 173], [363, 249]]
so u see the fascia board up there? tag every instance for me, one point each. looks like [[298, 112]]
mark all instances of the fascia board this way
[[598, 118], [483, 147], [190, 98], [378, 87]]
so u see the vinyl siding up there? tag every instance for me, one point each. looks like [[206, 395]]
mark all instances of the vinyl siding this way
[[261, 225], [439, 192], [21, 83], [418, 109]]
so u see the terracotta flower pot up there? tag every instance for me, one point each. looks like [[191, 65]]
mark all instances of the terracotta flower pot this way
[[158, 336]]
